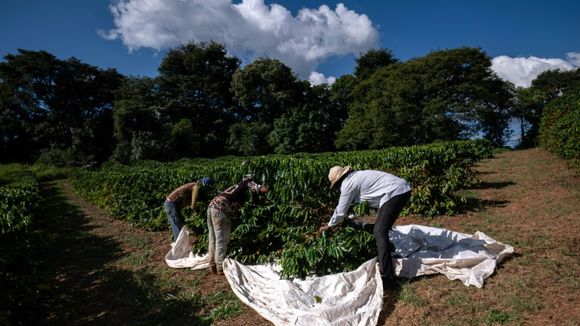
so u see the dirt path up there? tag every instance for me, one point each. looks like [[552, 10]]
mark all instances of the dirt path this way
[[109, 272]]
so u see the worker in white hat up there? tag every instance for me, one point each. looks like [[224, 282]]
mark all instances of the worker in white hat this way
[[383, 191]]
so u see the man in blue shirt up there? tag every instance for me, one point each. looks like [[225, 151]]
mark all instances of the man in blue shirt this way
[[383, 191]]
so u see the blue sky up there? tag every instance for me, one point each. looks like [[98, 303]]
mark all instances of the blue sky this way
[[523, 37]]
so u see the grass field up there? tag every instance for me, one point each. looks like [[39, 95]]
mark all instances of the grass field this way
[[528, 199], [105, 271]]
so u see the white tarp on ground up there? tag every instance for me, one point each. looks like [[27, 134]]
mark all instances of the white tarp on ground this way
[[353, 298], [459, 256]]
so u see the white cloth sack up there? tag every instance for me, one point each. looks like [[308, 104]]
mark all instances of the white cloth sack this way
[[181, 256], [353, 298]]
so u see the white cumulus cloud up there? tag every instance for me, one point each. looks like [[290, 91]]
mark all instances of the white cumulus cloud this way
[[248, 29], [317, 78], [522, 71]]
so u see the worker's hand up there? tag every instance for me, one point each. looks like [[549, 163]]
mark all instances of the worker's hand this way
[[263, 189], [325, 227]]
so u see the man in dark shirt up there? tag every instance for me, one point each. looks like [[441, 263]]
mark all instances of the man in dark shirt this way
[[220, 212]]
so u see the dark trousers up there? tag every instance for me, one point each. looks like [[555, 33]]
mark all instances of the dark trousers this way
[[388, 213]]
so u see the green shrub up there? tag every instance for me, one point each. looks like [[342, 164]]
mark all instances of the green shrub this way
[[59, 157], [10, 173], [20, 244], [560, 128], [17, 203]]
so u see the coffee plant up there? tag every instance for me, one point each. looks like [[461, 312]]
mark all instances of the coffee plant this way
[[282, 225], [20, 246]]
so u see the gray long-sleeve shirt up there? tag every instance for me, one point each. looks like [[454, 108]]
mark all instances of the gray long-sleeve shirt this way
[[375, 187]]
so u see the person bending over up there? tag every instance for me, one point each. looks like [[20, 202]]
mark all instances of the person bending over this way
[[383, 191]]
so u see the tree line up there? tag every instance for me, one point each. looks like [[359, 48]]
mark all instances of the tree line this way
[[204, 103]]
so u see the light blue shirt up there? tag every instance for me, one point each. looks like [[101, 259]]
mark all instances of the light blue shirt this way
[[375, 187]]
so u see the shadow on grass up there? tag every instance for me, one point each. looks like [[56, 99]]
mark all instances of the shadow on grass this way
[[83, 288], [390, 298], [476, 204], [493, 185], [472, 203]]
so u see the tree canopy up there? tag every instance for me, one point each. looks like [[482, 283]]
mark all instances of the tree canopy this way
[[442, 96], [51, 104], [371, 61], [529, 102], [203, 103]]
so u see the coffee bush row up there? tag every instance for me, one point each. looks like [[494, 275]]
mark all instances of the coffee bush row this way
[[282, 224]]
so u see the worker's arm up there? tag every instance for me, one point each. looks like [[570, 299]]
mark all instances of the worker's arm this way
[[263, 189], [346, 197], [257, 188], [194, 190], [323, 228], [341, 210]]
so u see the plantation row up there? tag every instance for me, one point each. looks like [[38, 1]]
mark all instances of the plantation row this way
[[20, 246], [282, 225]]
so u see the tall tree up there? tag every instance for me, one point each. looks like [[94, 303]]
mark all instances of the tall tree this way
[[309, 127], [27, 83], [527, 110], [554, 83], [16, 144], [194, 88], [249, 137], [529, 102], [86, 95], [371, 61], [445, 95], [138, 129], [386, 111], [62, 104], [341, 96], [264, 90]]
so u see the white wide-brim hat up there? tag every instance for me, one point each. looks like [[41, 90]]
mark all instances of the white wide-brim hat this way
[[336, 173]]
